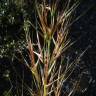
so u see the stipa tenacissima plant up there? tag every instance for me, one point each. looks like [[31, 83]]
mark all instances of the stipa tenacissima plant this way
[[48, 50]]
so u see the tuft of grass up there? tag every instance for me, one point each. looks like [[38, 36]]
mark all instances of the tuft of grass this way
[[47, 52]]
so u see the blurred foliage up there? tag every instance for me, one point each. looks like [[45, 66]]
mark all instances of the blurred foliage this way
[[12, 15], [7, 93]]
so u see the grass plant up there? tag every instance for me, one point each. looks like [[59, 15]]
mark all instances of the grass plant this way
[[47, 46]]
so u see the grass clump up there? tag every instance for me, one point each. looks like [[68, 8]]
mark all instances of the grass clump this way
[[47, 46]]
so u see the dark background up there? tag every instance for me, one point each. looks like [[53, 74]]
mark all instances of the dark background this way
[[86, 26]]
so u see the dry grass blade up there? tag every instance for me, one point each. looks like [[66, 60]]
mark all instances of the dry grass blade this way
[[31, 53]]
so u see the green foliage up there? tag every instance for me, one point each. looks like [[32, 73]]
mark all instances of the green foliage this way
[[11, 31], [7, 93]]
